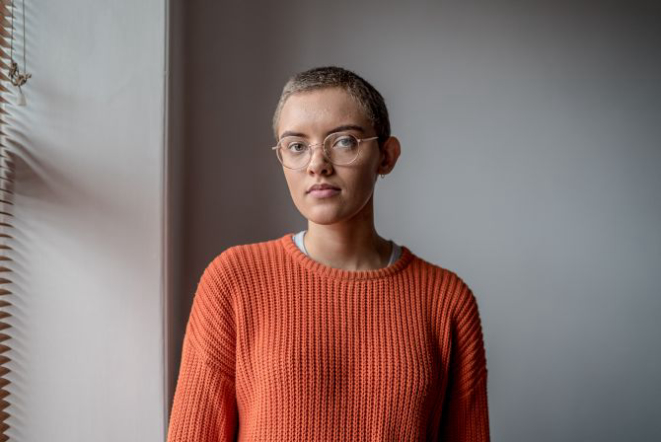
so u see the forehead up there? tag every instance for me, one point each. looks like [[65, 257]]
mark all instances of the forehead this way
[[320, 109]]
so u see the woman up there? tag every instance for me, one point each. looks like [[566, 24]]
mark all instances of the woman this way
[[333, 333]]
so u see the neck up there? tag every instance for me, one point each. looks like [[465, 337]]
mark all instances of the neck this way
[[351, 245]]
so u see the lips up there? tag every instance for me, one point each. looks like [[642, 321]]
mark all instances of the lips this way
[[324, 193], [322, 187]]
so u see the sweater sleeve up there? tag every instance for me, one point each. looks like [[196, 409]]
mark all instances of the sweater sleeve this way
[[466, 415], [204, 408]]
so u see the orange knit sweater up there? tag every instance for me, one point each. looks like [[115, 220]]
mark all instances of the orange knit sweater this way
[[279, 347]]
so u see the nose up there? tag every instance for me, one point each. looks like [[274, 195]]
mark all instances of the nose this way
[[319, 164]]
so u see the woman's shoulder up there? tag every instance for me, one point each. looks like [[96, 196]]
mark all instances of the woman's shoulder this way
[[434, 268], [445, 279], [244, 254]]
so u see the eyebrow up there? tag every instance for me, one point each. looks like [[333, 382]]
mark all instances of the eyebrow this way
[[289, 133]]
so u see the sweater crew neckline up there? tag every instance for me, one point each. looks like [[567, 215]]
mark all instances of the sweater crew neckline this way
[[287, 241]]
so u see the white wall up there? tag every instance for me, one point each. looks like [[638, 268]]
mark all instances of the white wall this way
[[88, 353]]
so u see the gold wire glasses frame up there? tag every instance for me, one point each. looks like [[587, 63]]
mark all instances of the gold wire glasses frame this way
[[333, 149]]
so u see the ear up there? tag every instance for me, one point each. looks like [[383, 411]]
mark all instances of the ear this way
[[389, 154]]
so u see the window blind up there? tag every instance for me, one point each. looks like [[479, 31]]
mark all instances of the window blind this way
[[6, 194]]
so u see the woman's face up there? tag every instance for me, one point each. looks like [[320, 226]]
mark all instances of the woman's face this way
[[313, 115]]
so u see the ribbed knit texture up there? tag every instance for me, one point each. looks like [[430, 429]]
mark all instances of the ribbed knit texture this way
[[279, 347]]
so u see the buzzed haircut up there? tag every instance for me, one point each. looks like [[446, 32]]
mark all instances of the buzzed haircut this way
[[357, 87]]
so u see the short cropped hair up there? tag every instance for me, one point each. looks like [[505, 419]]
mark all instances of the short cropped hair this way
[[363, 92]]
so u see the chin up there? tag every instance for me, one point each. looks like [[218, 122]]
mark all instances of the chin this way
[[323, 216]]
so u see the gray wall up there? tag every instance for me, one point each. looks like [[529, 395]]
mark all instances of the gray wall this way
[[530, 157], [87, 343]]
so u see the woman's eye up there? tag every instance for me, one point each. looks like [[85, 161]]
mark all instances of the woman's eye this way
[[294, 147], [346, 142]]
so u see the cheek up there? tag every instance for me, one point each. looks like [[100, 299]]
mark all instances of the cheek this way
[[294, 185], [366, 174], [360, 185]]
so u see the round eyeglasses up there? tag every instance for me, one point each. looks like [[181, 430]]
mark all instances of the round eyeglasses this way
[[339, 148]]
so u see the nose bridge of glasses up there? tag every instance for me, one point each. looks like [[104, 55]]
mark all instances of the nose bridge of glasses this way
[[311, 145], [323, 147], [324, 153]]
